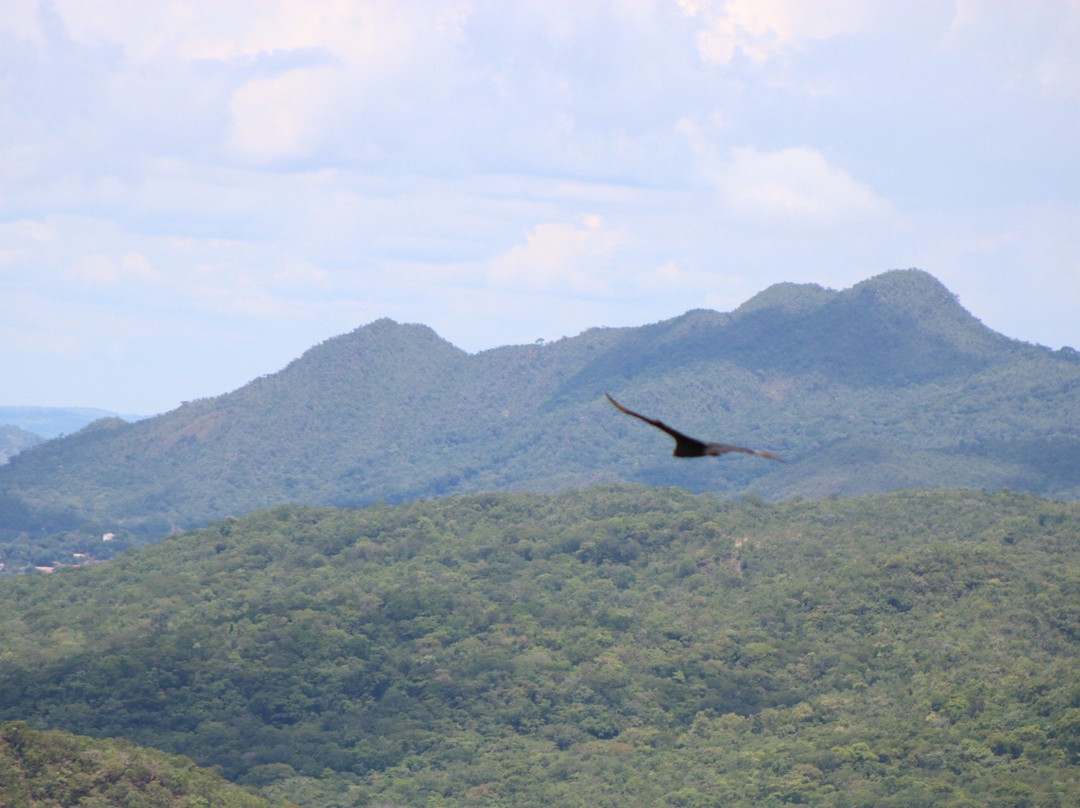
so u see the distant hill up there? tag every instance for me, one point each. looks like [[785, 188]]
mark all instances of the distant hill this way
[[52, 422], [616, 645], [889, 384], [60, 770], [13, 440]]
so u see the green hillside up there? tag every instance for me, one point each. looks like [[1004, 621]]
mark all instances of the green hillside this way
[[621, 645], [888, 385], [60, 770]]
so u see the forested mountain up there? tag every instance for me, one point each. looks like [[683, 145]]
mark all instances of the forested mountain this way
[[60, 770], [890, 384], [613, 646]]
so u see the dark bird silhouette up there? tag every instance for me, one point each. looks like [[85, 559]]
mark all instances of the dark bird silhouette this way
[[685, 446]]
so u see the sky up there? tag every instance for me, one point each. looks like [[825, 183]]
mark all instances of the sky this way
[[194, 193]]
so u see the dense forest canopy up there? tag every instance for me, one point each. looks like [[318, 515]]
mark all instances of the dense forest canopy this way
[[888, 385], [620, 645], [60, 770]]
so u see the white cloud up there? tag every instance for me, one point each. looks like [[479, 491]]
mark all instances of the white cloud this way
[[21, 18], [764, 29], [96, 269], [560, 256], [239, 28], [1058, 71], [136, 265], [965, 14], [301, 274], [1019, 43], [27, 232], [794, 185], [1059, 74], [672, 281], [41, 341], [239, 294], [103, 270], [797, 184], [666, 273], [282, 117], [100, 84]]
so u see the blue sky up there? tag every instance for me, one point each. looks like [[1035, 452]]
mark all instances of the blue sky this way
[[194, 193]]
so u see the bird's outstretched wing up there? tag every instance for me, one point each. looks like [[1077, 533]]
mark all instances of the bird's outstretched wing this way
[[685, 446]]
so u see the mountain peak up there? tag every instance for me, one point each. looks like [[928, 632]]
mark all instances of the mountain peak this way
[[913, 289], [894, 328], [790, 297], [377, 344], [913, 295], [929, 305], [388, 333]]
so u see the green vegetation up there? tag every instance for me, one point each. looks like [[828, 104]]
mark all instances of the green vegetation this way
[[885, 386], [60, 770], [618, 645]]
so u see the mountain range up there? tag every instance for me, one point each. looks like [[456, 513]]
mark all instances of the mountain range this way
[[890, 384]]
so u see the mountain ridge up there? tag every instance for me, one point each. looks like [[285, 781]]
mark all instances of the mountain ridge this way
[[394, 412]]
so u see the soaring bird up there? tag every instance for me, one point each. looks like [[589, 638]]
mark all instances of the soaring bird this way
[[685, 446]]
